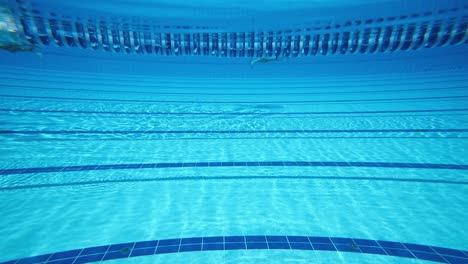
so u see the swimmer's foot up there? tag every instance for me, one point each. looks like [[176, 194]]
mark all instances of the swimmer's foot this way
[[262, 60], [266, 59], [16, 47]]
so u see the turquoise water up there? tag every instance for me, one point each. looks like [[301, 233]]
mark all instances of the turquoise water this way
[[100, 148]]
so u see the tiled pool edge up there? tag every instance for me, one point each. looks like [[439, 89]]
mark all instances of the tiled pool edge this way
[[235, 164], [194, 244]]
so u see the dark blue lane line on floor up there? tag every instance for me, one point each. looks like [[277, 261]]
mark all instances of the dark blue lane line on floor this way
[[234, 164], [214, 86], [230, 113], [124, 132], [288, 92], [236, 102], [224, 178], [257, 242], [383, 80]]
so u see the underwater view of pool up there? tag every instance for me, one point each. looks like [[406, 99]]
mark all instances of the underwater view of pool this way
[[235, 132]]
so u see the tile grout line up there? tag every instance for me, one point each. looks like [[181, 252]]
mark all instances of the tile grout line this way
[[411, 252], [310, 243], [105, 253], [289, 244], [156, 247], [76, 257]]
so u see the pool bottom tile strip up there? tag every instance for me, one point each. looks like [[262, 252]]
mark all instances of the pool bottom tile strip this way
[[235, 164], [258, 242]]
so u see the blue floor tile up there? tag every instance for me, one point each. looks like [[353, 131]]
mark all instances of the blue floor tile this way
[[320, 240], [162, 165], [143, 252], [190, 247], [146, 244], [389, 244], [35, 259], [192, 240], [278, 245], [203, 164], [120, 166], [62, 261], [213, 247], [230, 239], [372, 250], [94, 250], [325, 247], [123, 246], [302, 246], [14, 171], [148, 166], [257, 245], [399, 252], [456, 260], [346, 248], [213, 240], [133, 166], [33, 170], [89, 258], [341, 240], [276, 163], [449, 252], [9, 262], [190, 164], [428, 256], [167, 249], [366, 242], [65, 254], [169, 242], [255, 239], [419, 247], [87, 167], [116, 255], [276, 239], [298, 239], [231, 246]]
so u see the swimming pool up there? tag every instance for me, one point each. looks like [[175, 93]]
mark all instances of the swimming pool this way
[[303, 134]]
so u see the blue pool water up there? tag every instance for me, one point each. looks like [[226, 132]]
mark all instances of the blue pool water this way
[[293, 133]]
